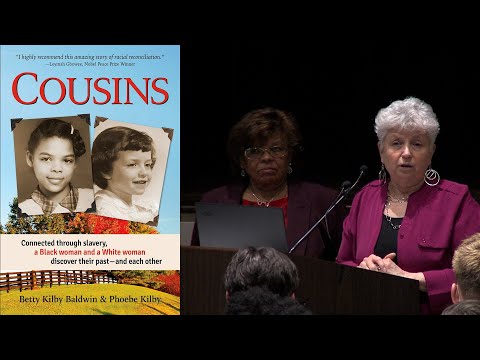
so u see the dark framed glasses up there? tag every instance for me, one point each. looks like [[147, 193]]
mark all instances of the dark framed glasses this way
[[255, 153]]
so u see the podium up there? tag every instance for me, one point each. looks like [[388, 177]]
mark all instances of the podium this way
[[326, 288]]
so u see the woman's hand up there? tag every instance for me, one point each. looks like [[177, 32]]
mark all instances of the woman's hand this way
[[372, 262], [386, 265]]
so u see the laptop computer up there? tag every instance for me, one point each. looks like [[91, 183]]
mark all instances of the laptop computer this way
[[237, 226]]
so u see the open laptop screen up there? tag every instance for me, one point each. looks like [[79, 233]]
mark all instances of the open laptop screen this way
[[237, 226]]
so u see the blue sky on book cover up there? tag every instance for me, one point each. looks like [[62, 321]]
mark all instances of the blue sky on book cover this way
[[113, 62]]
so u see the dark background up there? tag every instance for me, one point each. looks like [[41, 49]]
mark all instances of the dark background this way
[[334, 87]]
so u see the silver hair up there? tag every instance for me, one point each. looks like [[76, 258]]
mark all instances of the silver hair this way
[[408, 114]]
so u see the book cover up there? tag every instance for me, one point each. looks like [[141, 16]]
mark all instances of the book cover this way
[[90, 169]]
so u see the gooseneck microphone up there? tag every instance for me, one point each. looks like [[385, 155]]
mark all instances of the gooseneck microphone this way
[[363, 171], [345, 185], [344, 191]]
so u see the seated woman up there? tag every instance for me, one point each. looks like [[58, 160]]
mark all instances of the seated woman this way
[[262, 147]]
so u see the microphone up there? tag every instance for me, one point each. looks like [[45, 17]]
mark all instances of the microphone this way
[[363, 171], [346, 184], [345, 190]]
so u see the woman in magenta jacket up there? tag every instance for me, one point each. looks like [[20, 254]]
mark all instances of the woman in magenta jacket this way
[[410, 222]]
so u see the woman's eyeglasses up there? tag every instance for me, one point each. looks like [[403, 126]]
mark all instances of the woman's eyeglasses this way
[[255, 153]]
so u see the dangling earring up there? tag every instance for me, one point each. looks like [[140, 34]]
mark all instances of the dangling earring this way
[[382, 175], [431, 177], [242, 173], [289, 169]]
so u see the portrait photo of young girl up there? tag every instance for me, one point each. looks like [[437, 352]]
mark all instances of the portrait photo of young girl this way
[[129, 162], [53, 165]]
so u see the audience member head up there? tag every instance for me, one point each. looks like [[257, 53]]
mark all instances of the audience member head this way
[[262, 267], [259, 301], [466, 265], [465, 307]]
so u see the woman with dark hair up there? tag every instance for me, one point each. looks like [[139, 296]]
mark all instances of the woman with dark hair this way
[[262, 147], [52, 152]]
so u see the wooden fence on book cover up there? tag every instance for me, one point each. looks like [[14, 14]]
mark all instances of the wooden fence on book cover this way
[[24, 280]]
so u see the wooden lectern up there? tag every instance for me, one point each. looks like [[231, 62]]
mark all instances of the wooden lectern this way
[[325, 287]]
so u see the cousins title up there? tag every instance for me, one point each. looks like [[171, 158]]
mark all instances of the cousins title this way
[[109, 87]]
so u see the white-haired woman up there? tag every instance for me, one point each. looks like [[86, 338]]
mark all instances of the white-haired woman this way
[[409, 222]]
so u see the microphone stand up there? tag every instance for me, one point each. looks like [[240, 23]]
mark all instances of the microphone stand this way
[[345, 193], [363, 170]]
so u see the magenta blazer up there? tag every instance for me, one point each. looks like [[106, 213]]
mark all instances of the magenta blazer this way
[[307, 202], [436, 221]]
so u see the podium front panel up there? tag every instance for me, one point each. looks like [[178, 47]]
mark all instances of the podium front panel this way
[[326, 288]]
